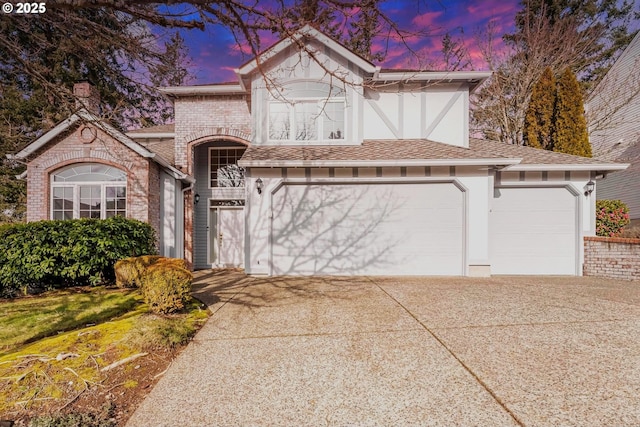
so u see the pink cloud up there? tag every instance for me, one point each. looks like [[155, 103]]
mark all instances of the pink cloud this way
[[427, 19]]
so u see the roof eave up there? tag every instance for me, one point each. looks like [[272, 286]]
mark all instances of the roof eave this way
[[378, 163], [609, 167], [180, 91], [44, 139], [474, 78]]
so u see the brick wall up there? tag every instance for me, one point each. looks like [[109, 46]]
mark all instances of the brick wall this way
[[199, 117], [143, 188], [613, 257]]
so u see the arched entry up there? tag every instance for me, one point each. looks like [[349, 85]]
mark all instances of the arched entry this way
[[218, 215]]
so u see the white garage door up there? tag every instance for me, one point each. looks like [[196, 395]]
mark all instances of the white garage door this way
[[374, 229], [533, 231]]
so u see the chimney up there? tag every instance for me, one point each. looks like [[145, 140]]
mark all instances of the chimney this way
[[87, 97]]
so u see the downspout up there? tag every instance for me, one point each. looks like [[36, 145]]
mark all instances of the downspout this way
[[180, 222]]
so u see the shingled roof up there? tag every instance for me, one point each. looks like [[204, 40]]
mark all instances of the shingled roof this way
[[168, 128], [386, 149], [415, 152]]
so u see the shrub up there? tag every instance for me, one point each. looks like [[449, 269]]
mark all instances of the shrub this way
[[166, 287], [611, 217], [53, 254], [129, 271]]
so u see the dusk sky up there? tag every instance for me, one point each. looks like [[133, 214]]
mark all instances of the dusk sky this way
[[215, 53]]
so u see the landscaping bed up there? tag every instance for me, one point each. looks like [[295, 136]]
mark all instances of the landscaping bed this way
[[91, 352]]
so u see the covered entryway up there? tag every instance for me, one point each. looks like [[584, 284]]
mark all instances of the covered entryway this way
[[375, 228], [534, 231], [226, 236]]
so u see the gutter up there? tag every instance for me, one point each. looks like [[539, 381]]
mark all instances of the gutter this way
[[568, 167], [376, 163]]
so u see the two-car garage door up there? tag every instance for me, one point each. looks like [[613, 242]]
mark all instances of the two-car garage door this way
[[409, 228]]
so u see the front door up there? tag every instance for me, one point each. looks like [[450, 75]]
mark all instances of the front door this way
[[226, 247]]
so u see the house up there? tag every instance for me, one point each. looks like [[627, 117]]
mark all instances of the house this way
[[316, 161], [614, 110]]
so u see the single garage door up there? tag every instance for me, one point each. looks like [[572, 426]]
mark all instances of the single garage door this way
[[533, 231], [368, 229]]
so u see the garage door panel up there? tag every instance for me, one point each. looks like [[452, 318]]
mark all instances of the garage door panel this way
[[373, 229], [533, 231]]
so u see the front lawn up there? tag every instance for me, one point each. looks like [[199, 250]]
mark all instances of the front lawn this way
[[28, 319], [81, 349]]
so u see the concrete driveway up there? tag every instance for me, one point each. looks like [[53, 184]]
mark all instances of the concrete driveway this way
[[369, 351]]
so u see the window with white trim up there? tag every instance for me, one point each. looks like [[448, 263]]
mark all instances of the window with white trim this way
[[88, 190], [223, 167], [308, 111]]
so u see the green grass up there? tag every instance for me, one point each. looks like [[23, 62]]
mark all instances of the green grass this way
[[35, 330], [25, 320]]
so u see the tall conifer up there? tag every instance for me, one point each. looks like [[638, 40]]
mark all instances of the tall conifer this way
[[539, 115], [569, 134]]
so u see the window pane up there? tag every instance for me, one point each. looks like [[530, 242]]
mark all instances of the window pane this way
[[93, 172], [306, 114], [62, 202], [279, 126], [90, 201], [225, 171], [333, 120]]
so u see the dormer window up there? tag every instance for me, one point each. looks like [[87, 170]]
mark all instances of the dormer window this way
[[308, 111]]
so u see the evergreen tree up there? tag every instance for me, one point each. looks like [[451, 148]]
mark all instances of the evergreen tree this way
[[539, 115], [569, 133]]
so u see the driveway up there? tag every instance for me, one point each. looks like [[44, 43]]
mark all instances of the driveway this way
[[368, 351]]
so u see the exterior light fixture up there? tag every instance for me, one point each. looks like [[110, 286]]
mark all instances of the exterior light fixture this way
[[259, 185], [196, 198], [589, 188]]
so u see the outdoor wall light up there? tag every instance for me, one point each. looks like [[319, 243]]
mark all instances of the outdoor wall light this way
[[196, 198], [589, 187], [259, 185]]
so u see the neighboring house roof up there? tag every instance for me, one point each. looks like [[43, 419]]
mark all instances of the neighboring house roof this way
[[419, 152], [83, 115]]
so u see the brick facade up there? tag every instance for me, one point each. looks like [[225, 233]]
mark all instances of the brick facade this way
[[612, 257], [200, 117], [143, 186]]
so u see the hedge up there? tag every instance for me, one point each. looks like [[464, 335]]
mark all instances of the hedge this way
[[55, 254]]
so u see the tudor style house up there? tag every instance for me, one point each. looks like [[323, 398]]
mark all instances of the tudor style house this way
[[316, 161]]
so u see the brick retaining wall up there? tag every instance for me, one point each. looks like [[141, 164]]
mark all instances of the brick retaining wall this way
[[613, 257]]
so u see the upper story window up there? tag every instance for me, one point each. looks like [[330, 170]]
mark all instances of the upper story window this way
[[308, 111], [223, 167], [88, 190]]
